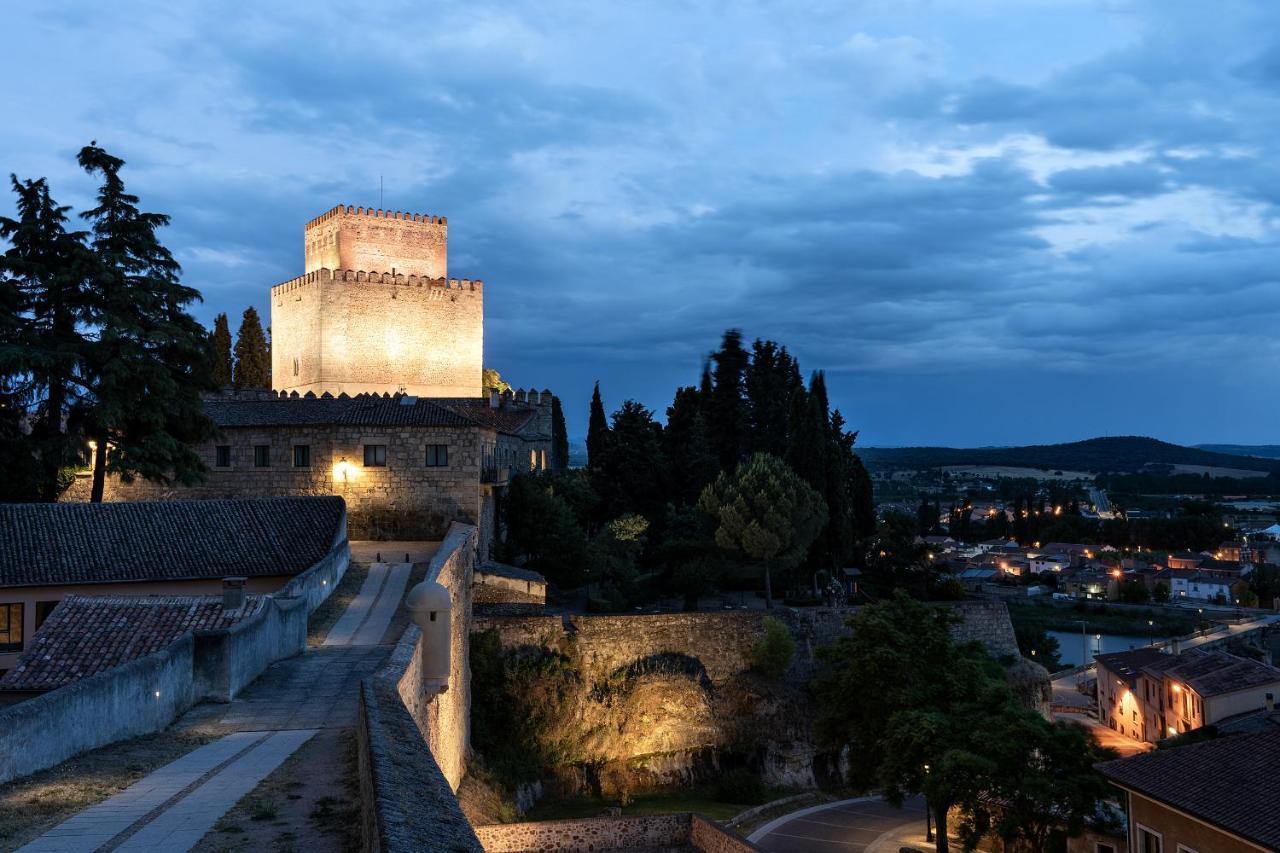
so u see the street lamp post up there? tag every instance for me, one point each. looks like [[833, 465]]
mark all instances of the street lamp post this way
[[928, 813]]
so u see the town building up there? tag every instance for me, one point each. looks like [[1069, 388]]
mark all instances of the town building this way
[[164, 548], [1148, 695], [1196, 585], [1213, 797]]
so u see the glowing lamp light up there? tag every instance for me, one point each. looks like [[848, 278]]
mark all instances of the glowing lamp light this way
[[344, 470], [1172, 731], [1177, 688], [157, 694]]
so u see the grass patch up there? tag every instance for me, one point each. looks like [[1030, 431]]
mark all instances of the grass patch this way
[[262, 808], [1102, 619], [327, 614], [36, 803]]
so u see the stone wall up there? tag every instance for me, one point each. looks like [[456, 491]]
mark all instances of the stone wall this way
[[650, 832], [404, 500], [147, 694], [355, 238]]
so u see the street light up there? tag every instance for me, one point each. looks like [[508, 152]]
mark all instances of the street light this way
[[928, 813]]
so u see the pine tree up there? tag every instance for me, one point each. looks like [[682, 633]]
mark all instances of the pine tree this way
[[45, 269], [559, 437], [726, 410], [220, 347], [253, 359], [149, 361]]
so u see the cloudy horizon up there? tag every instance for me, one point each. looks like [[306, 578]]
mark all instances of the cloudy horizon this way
[[990, 223]]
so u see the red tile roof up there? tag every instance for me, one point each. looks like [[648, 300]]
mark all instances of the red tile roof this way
[[87, 634]]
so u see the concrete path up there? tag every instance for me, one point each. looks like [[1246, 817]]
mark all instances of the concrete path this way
[[172, 808], [852, 826], [369, 613]]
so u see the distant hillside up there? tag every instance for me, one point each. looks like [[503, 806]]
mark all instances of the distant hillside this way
[[1122, 453], [1266, 451]]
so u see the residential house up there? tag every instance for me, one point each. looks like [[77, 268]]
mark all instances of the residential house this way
[[1214, 797], [162, 548], [1195, 585]]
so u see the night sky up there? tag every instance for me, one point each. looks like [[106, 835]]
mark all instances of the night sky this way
[[989, 222]]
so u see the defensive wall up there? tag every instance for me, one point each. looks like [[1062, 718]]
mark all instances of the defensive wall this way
[[412, 746], [147, 694], [347, 237], [647, 832]]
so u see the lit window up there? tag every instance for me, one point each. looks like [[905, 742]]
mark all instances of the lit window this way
[[262, 456], [437, 455], [375, 456], [10, 627], [222, 456], [302, 456]]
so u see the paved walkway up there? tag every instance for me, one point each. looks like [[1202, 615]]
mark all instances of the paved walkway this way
[[367, 617], [173, 808], [863, 825]]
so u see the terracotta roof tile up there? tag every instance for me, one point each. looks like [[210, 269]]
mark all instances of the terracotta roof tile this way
[[87, 634], [73, 543]]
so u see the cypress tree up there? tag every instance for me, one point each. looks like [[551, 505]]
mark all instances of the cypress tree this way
[[597, 434], [693, 465], [220, 347], [42, 339], [726, 411], [149, 361], [559, 437], [771, 378], [253, 360]]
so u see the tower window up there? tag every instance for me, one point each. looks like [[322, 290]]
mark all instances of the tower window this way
[[295, 367], [262, 456], [222, 456], [375, 456], [302, 456], [437, 455]]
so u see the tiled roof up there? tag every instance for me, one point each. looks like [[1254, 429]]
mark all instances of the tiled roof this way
[[1126, 665], [365, 410], [87, 634], [76, 543], [1212, 673], [490, 567], [1229, 782]]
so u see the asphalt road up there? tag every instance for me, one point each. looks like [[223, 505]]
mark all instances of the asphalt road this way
[[849, 827]]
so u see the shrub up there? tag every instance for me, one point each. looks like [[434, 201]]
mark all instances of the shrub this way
[[773, 652], [740, 786]]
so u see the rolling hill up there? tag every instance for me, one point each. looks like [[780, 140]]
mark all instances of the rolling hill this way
[[1097, 455], [1263, 451]]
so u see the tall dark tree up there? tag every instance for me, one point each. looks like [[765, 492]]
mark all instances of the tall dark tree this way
[[45, 271], [771, 378], [220, 346], [559, 437], [726, 407], [636, 466], [597, 433], [149, 362], [253, 359], [688, 449]]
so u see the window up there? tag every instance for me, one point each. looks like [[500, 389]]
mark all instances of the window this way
[[295, 367], [302, 456], [1104, 848], [262, 456], [1182, 848], [1149, 841], [10, 627], [437, 455], [43, 609], [222, 456], [375, 456]]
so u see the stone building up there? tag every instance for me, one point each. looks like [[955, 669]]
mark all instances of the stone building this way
[[377, 365]]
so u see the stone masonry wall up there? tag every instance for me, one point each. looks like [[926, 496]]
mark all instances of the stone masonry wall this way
[[406, 499], [355, 238], [682, 831], [354, 332]]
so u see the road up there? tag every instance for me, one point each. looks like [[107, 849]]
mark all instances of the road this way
[[864, 825]]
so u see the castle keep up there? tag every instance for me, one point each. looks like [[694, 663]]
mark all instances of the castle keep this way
[[376, 365], [375, 311]]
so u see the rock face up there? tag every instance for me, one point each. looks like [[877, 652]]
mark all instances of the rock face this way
[[672, 698]]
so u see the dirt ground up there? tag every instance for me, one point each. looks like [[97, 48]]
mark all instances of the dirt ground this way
[[30, 806], [310, 803]]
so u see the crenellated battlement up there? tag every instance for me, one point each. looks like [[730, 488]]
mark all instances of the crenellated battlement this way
[[375, 213], [326, 274]]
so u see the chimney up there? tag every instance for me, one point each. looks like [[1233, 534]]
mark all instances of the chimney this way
[[1271, 703], [233, 593]]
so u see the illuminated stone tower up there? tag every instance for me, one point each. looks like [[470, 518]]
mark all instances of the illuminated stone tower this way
[[376, 312]]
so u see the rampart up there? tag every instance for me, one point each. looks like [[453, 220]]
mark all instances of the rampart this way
[[368, 238], [647, 832], [147, 694], [412, 747]]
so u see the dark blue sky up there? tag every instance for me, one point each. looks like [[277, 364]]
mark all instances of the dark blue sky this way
[[989, 222]]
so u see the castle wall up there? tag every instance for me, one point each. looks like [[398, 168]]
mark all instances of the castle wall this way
[[355, 238], [354, 332], [406, 499]]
